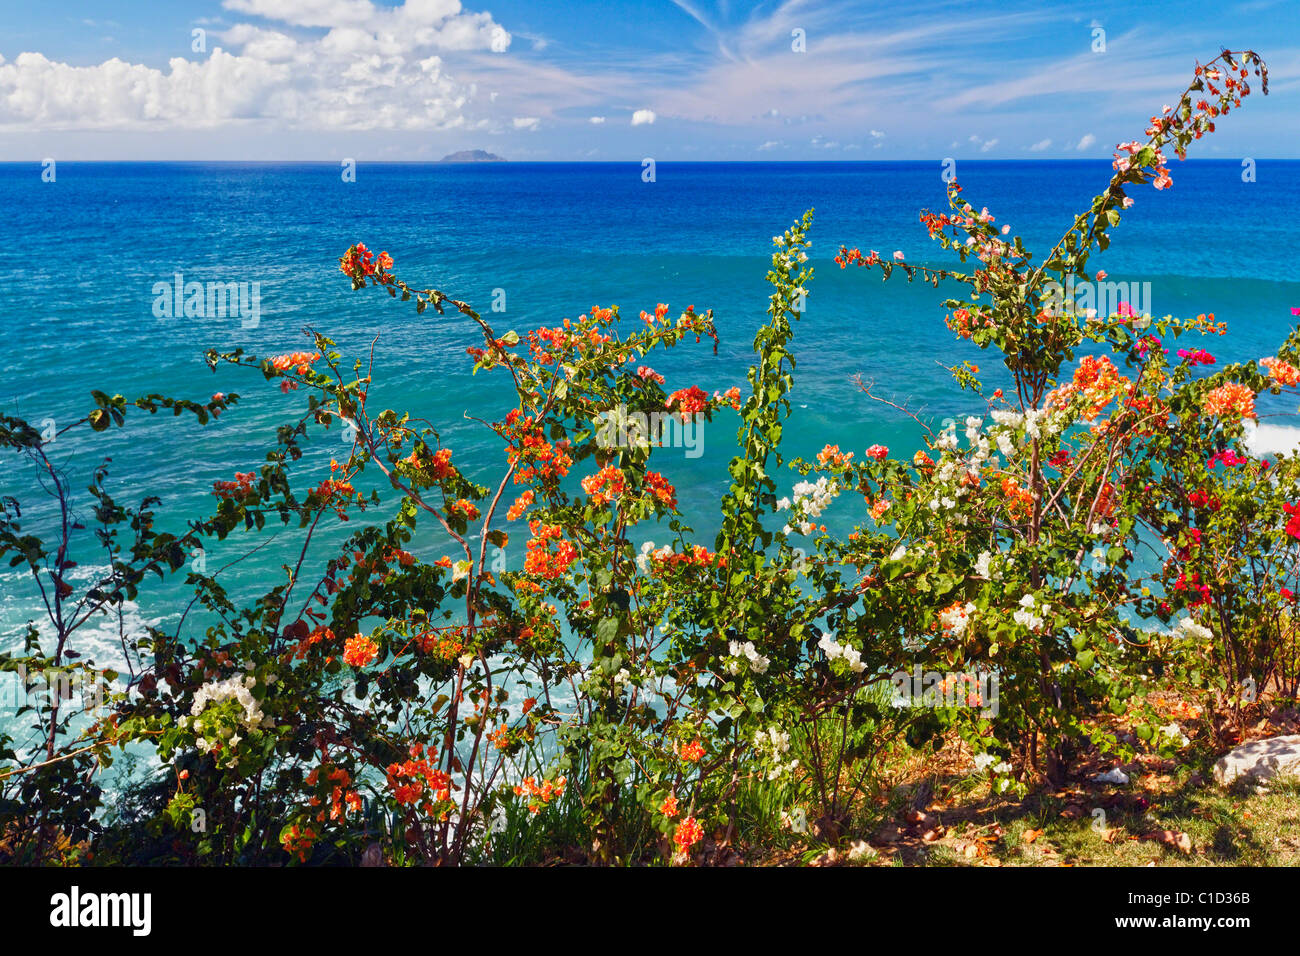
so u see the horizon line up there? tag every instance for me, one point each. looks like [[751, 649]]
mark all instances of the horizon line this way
[[635, 162]]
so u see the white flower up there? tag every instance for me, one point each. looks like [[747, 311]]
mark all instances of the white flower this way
[[1174, 732], [853, 657], [899, 553], [230, 688], [955, 619], [1007, 417], [1192, 629], [746, 652], [643, 559], [1027, 617], [984, 761], [982, 565], [828, 645]]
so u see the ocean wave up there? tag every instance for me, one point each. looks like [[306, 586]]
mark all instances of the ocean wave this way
[[1261, 440]]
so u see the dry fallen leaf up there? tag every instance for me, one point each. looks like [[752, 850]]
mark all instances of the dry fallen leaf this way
[[1029, 836], [1174, 838]]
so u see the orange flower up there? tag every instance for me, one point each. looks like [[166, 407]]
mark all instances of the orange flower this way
[[832, 456], [299, 842], [1098, 380], [360, 651], [522, 504], [467, 508], [692, 751], [1281, 372], [604, 486], [669, 807], [300, 362], [688, 833], [541, 560], [1231, 400], [539, 794], [658, 486], [1020, 501]]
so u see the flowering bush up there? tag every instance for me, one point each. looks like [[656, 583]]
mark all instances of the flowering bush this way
[[382, 704], [1034, 521]]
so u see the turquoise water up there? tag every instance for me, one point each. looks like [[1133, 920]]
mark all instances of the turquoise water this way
[[86, 251]]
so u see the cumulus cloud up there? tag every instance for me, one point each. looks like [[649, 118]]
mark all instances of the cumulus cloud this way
[[1087, 141], [1041, 145], [596, 120], [374, 68], [643, 117], [526, 122]]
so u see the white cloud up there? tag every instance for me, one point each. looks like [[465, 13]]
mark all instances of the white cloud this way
[[989, 144], [374, 68], [526, 122], [1041, 145], [643, 117], [1087, 141], [877, 134], [596, 120], [770, 145]]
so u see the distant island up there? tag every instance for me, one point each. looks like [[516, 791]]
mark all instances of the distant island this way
[[472, 156]]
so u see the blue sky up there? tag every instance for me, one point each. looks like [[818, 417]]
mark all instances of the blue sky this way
[[610, 80]]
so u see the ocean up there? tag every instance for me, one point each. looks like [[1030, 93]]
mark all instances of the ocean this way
[[547, 241]]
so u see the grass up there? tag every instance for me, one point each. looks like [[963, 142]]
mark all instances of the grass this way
[[1167, 815]]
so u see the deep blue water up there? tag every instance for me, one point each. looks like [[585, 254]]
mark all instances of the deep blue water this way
[[85, 252]]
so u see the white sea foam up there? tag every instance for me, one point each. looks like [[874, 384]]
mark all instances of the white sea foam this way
[[1263, 440]]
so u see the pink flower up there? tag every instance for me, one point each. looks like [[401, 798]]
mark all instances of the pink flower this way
[[898, 256], [877, 452], [1196, 356], [1229, 458]]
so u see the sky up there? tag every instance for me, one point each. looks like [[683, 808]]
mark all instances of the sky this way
[[622, 80]]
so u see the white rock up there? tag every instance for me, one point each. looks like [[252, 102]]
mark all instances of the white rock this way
[[1112, 776], [1260, 759]]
